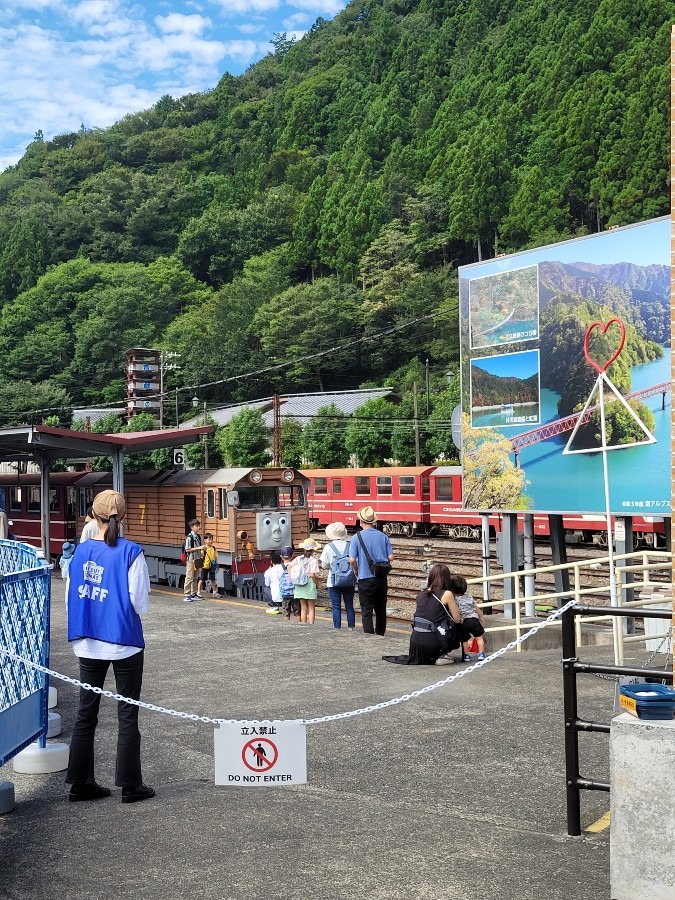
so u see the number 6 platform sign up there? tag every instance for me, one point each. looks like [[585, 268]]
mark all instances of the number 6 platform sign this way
[[261, 755]]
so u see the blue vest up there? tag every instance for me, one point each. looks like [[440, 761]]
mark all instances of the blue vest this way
[[99, 603]]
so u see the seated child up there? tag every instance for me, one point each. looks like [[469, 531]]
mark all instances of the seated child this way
[[210, 566], [471, 625]]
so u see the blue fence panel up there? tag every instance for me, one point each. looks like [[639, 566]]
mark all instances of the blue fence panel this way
[[25, 593]]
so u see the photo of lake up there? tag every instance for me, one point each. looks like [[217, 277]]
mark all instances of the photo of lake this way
[[504, 308], [505, 390]]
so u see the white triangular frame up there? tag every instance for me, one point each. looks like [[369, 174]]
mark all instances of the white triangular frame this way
[[650, 439]]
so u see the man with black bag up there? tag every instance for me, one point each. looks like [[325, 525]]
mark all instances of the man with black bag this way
[[370, 555]]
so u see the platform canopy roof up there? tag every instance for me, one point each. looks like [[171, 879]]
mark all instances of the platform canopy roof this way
[[35, 442]]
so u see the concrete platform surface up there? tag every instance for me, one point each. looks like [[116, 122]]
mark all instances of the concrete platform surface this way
[[457, 794]]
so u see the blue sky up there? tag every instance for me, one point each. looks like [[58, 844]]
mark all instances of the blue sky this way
[[510, 365], [64, 63], [644, 244]]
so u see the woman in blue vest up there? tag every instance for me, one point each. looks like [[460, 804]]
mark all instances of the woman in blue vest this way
[[106, 593]]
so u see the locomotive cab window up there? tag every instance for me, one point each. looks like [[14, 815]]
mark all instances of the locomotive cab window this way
[[362, 484], [291, 495], [406, 484], [210, 504], [384, 484], [258, 497], [444, 488], [222, 503], [15, 499], [320, 485]]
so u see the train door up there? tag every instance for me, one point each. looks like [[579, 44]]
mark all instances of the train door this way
[[189, 509]]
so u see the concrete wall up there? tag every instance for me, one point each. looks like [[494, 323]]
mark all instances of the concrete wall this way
[[642, 839]]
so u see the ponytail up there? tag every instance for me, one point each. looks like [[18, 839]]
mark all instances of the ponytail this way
[[112, 532]]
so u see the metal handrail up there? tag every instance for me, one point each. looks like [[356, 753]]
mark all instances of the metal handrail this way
[[649, 561], [572, 666]]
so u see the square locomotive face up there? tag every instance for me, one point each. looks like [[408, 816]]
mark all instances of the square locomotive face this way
[[273, 530]]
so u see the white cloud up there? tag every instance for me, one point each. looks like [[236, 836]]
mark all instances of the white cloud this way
[[251, 27], [296, 20], [319, 7], [240, 7], [176, 23]]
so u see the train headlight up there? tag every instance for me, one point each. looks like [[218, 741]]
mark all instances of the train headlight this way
[[255, 477], [288, 475]]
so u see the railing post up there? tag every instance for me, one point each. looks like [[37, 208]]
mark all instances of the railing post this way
[[571, 715]]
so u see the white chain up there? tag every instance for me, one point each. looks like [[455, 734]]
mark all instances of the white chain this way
[[193, 717]]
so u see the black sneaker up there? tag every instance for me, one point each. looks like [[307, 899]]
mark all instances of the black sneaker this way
[[134, 794], [90, 791]]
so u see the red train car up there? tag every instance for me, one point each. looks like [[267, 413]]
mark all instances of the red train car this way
[[20, 498], [428, 500]]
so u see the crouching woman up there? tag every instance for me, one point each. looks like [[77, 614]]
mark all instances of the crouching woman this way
[[435, 624]]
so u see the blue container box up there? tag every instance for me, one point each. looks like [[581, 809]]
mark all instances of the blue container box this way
[[648, 701]]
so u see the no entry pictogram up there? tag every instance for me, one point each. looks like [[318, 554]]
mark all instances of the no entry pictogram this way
[[260, 754]]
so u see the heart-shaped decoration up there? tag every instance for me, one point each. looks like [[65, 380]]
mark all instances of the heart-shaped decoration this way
[[602, 367]]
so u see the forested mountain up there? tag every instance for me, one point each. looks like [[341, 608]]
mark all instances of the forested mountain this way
[[327, 195], [491, 390]]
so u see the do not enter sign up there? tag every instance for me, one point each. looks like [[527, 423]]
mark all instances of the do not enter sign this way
[[261, 755]]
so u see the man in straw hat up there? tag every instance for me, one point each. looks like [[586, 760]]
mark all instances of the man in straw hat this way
[[370, 554]]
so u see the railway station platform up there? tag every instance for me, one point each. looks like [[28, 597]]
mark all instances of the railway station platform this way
[[457, 794]]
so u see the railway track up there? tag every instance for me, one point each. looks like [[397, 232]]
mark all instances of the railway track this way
[[414, 556]]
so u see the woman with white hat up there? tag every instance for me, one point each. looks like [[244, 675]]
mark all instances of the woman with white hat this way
[[106, 593], [340, 582], [304, 574]]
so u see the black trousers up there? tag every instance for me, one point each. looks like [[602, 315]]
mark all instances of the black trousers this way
[[373, 598], [128, 680]]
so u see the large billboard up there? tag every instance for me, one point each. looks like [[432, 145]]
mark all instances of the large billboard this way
[[525, 380]]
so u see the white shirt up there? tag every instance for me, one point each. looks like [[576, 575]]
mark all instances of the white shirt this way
[[328, 555], [89, 531], [139, 590], [272, 579]]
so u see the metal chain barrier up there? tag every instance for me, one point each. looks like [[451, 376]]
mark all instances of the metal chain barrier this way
[[193, 717], [646, 664]]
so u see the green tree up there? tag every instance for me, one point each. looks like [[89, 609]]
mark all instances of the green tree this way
[[323, 439], [368, 435], [491, 479], [291, 442], [245, 441], [28, 403]]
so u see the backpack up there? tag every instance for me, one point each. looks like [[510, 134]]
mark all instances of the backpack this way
[[299, 574], [286, 587], [183, 555], [341, 571]]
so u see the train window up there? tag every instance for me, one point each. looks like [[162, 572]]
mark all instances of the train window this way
[[383, 484], [86, 499], [425, 486], [258, 497], [320, 485], [337, 485], [210, 504], [34, 499], [72, 502], [406, 484], [53, 500], [15, 499], [291, 495], [443, 488], [362, 484], [222, 502]]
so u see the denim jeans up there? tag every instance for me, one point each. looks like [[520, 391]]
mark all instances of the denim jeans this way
[[128, 680], [337, 595]]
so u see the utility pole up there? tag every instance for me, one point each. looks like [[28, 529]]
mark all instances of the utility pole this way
[[206, 441], [177, 422], [417, 426], [165, 366], [426, 375], [276, 431]]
